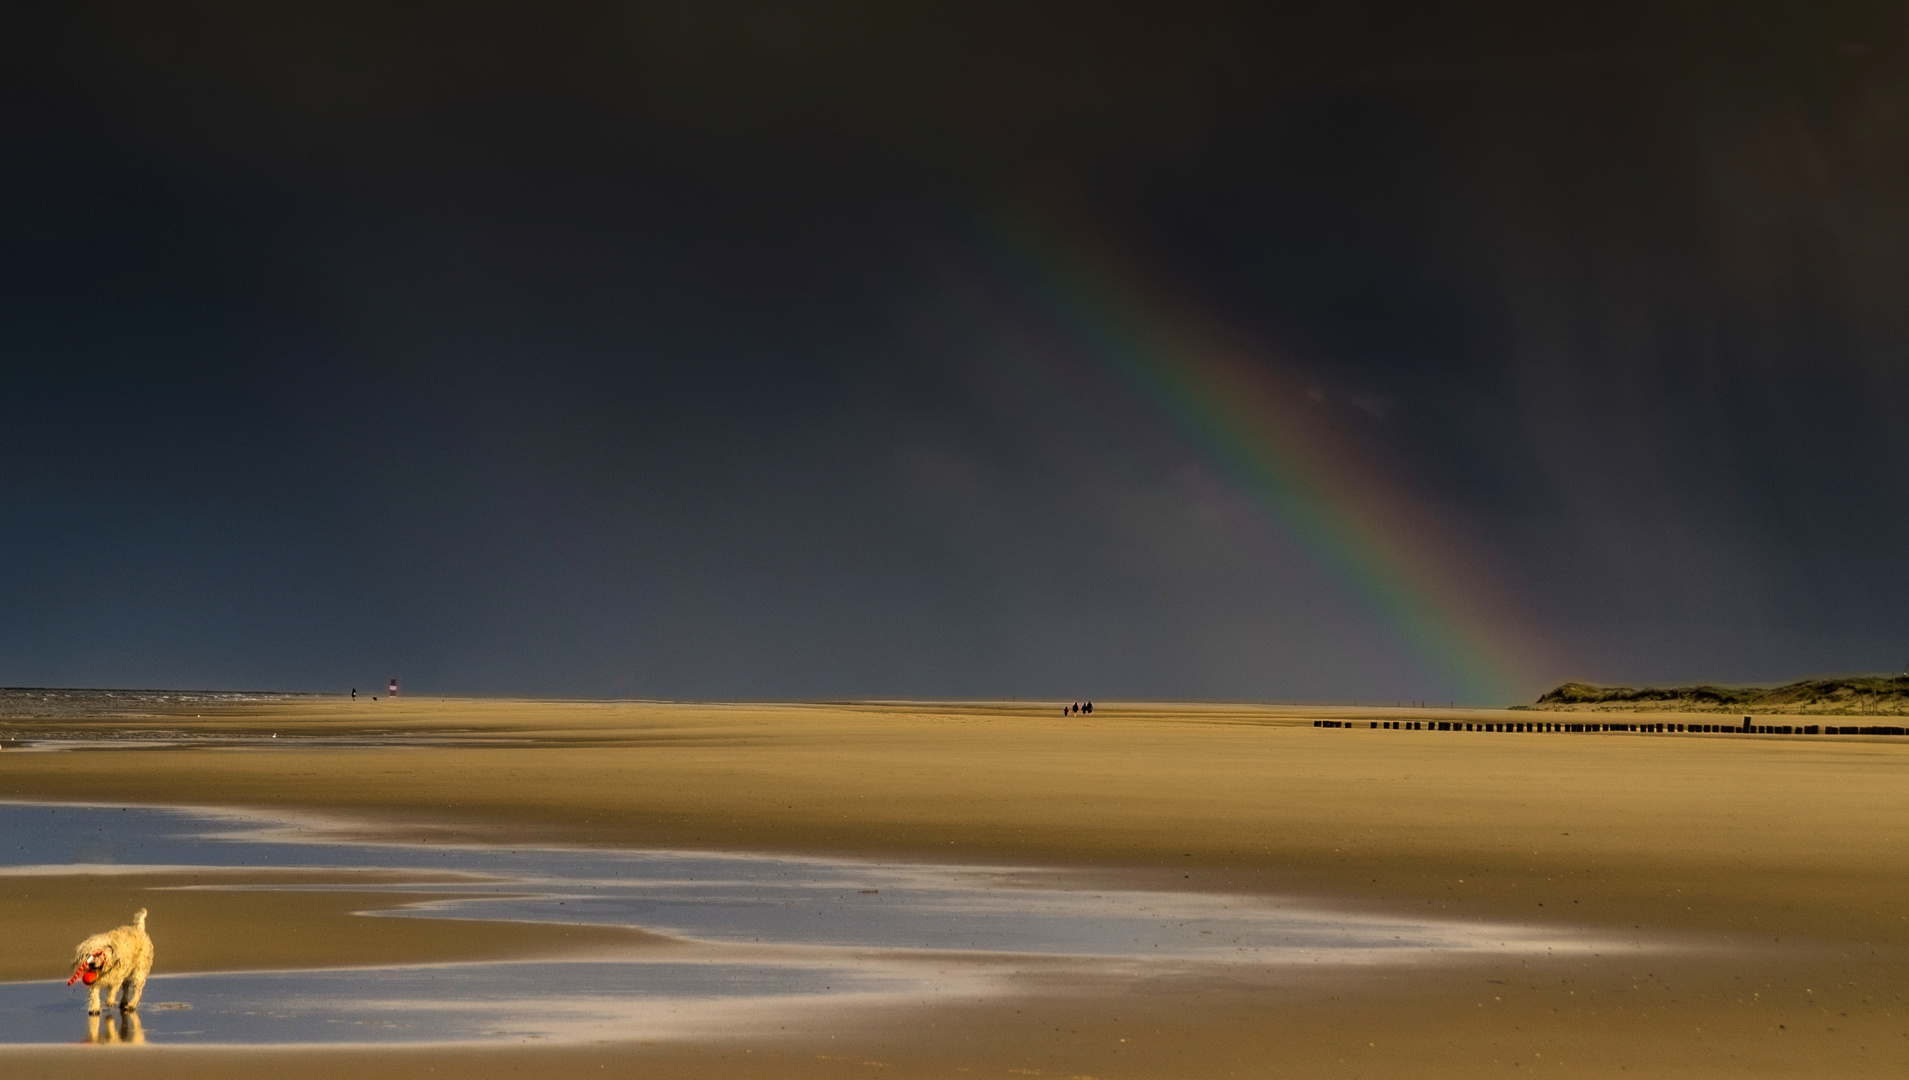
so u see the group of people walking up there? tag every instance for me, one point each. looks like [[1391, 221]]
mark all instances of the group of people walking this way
[[1078, 707]]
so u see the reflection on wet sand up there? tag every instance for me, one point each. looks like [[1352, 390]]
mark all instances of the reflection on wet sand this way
[[112, 1028]]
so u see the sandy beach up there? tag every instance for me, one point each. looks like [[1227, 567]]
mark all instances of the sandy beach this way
[[1759, 879]]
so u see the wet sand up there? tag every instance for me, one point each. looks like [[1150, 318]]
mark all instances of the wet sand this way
[[1777, 865]]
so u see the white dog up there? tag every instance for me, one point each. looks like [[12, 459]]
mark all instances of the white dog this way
[[118, 961]]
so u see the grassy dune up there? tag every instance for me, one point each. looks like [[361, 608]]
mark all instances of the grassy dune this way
[[1860, 695]]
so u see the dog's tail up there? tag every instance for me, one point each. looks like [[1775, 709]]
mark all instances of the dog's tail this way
[[139, 918]]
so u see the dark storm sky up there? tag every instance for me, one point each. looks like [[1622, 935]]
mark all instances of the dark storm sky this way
[[622, 349]]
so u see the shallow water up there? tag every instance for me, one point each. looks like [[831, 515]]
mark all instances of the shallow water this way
[[846, 912], [444, 1003], [41, 703]]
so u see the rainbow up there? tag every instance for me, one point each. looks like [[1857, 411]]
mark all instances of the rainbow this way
[[1265, 434]]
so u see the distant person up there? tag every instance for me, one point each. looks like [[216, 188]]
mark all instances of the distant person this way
[[354, 693], [1089, 708]]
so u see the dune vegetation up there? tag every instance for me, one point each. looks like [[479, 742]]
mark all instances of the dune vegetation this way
[[1857, 695]]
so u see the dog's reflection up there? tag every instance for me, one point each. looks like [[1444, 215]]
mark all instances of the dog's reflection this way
[[124, 1028]]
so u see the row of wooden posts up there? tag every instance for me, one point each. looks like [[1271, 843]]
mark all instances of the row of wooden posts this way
[[1749, 727]]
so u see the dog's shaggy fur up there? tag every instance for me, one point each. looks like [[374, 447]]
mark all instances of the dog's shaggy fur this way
[[118, 962]]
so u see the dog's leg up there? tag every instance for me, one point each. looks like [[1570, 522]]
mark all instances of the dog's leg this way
[[136, 988], [92, 1000], [110, 991]]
